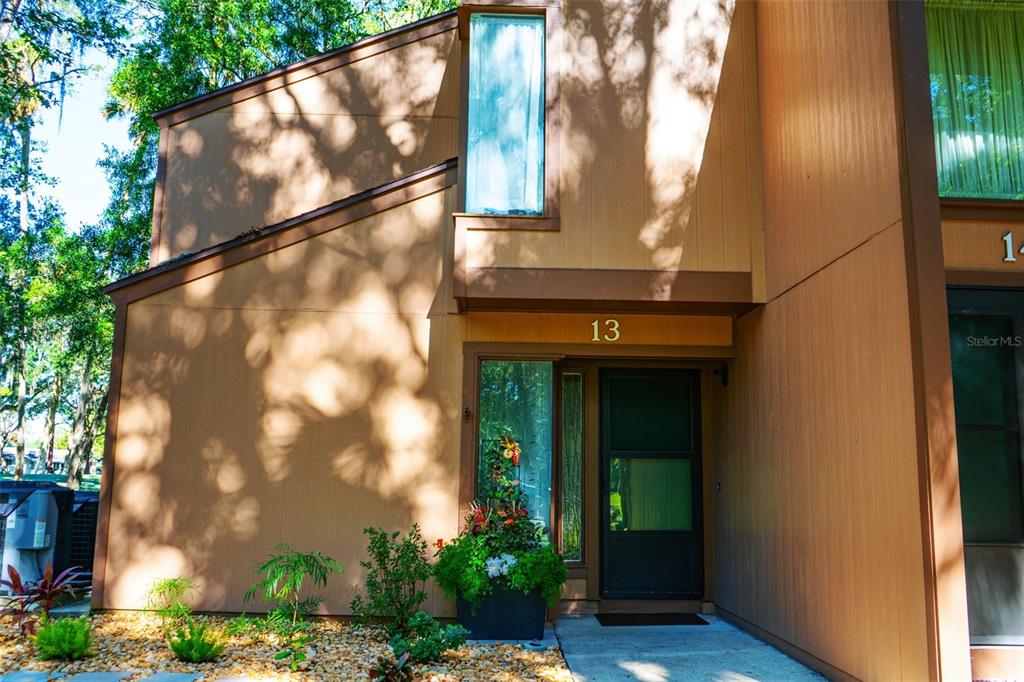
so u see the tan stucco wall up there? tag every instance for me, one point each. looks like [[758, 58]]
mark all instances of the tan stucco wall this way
[[660, 148], [297, 397], [658, 151], [309, 143]]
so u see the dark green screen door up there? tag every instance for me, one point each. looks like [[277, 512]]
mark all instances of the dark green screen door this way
[[652, 540]]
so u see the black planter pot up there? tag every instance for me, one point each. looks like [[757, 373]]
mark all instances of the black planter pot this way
[[504, 614]]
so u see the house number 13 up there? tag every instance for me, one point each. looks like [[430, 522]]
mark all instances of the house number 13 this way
[[1008, 241], [611, 330]]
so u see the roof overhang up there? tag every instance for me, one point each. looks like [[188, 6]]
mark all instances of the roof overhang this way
[[261, 241]]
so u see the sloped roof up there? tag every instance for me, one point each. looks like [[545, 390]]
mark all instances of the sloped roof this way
[[307, 68], [260, 241]]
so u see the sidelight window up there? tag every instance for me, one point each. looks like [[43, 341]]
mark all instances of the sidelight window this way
[[516, 398]]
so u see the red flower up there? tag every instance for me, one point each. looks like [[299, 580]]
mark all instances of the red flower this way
[[509, 522], [439, 544]]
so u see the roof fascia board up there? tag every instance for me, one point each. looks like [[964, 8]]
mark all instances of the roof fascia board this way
[[307, 68], [299, 228]]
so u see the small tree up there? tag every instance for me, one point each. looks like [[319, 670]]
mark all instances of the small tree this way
[[281, 578]]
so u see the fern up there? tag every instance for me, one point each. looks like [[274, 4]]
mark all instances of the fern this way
[[195, 643], [66, 638]]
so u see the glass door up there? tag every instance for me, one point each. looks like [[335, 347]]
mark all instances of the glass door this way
[[985, 332], [652, 539]]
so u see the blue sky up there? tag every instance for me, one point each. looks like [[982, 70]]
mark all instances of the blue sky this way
[[76, 145]]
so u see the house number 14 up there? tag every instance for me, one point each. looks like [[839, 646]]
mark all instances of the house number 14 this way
[[611, 330], [1008, 241]]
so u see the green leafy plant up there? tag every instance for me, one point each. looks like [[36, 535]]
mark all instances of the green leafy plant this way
[[281, 578], [295, 650], [540, 570], [461, 570], [195, 643], [167, 597], [395, 577], [389, 668], [68, 639], [499, 543], [427, 640]]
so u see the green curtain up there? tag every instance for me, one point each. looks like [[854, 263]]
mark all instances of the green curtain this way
[[976, 58]]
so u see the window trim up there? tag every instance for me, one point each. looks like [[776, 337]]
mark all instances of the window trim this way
[[549, 9], [981, 210]]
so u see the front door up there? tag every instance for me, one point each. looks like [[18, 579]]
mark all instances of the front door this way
[[652, 540]]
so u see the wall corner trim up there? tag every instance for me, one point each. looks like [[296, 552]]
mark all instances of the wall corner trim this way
[[941, 527]]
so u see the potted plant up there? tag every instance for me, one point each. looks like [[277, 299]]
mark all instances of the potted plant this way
[[501, 570]]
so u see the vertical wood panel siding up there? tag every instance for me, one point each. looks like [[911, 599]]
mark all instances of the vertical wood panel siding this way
[[302, 146], [818, 537], [660, 143], [297, 397]]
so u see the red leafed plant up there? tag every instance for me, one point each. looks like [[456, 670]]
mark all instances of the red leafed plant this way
[[42, 595]]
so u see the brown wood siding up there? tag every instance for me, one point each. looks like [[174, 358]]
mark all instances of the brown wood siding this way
[[294, 148], [659, 149], [819, 539], [296, 397], [978, 245], [829, 140], [818, 526]]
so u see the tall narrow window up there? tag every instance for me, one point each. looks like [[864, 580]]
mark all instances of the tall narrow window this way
[[516, 399], [976, 59], [572, 466], [505, 128]]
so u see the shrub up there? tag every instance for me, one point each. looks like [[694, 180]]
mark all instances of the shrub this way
[[427, 640], [69, 639], [390, 668], [195, 643], [281, 578], [167, 597], [395, 577]]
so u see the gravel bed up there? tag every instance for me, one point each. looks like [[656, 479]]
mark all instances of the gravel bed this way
[[341, 651]]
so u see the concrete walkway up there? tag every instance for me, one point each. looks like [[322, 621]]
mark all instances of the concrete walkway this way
[[716, 652]]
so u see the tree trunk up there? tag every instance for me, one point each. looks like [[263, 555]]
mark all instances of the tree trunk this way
[[91, 438], [78, 441], [51, 422], [22, 390], [19, 451]]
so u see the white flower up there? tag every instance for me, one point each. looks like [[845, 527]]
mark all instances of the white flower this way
[[495, 567], [499, 565]]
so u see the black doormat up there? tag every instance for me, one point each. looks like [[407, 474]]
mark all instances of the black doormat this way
[[614, 619]]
